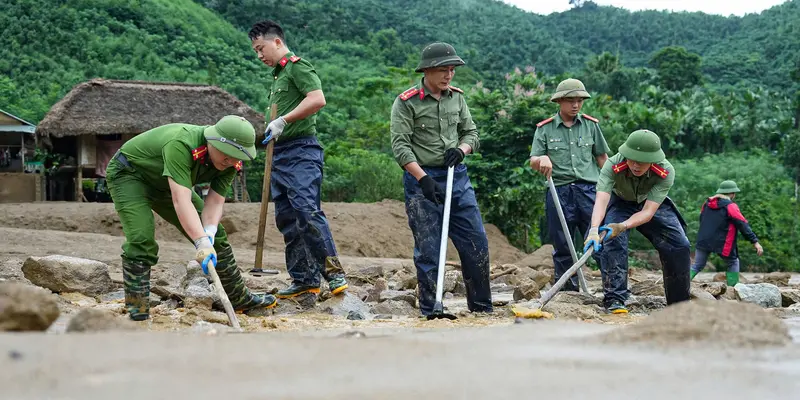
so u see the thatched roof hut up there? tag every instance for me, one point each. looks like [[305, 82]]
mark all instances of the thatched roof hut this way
[[114, 107]]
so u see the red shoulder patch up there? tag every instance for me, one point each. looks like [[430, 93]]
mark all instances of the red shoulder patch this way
[[408, 93], [545, 122], [619, 167], [659, 170], [238, 165], [294, 59], [199, 152], [590, 118], [283, 61], [456, 89]]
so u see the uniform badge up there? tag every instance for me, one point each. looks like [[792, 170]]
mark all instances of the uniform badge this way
[[545, 122], [199, 152], [408, 93], [619, 167], [590, 118], [659, 170]]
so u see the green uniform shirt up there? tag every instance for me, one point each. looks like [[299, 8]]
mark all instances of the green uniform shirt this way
[[653, 185], [178, 151], [571, 150], [293, 77], [423, 127]]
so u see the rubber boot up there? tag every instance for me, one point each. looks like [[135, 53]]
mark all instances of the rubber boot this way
[[732, 278], [676, 275], [692, 274], [242, 299], [136, 280]]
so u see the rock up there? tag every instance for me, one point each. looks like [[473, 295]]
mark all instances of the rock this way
[[777, 278], [197, 292], [407, 296], [540, 258], [355, 316], [522, 276], [646, 303], [715, 289], [721, 277], [729, 294], [344, 304], [394, 307], [95, 320], [528, 291], [573, 311], [696, 293], [166, 294], [763, 294], [229, 224], [576, 298], [11, 271], [68, 274], [382, 316], [359, 291], [790, 297], [207, 328], [648, 288], [366, 274], [26, 308], [265, 284], [450, 279], [376, 290]]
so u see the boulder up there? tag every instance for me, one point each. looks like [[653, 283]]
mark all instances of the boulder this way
[[763, 294], [648, 288], [404, 295], [527, 291], [26, 308], [96, 320], [696, 293], [394, 307], [790, 297], [345, 305], [68, 274]]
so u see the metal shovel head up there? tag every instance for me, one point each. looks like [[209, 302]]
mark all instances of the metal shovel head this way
[[438, 313], [263, 272]]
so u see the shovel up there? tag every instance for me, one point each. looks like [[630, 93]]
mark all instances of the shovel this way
[[209, 264], [258, 270], [567, 235], [438, 308]]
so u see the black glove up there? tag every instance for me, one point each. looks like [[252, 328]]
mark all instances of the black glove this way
[[453, 157], [432, 190]]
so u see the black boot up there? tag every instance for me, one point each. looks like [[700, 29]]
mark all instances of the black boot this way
[[136, 279], [677, 278]]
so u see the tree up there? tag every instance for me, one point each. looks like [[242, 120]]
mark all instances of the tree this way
[[677, 68]]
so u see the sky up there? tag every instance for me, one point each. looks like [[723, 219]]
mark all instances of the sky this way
[[720, 7]]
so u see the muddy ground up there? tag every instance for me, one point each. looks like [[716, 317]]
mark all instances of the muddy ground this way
[[387, 352]]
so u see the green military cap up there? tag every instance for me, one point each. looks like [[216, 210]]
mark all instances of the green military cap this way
[[438, 54], [234, 136], [643, 146], [728, 187], [570, 88]]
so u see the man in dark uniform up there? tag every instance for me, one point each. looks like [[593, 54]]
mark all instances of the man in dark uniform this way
[[297, 165], [570, 148], [156, 171], [633, 187], [432, 129]]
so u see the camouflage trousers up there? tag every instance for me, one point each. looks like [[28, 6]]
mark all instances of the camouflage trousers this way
[[135, 202], [295, 186]]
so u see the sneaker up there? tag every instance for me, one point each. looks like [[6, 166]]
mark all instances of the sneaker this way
[[337, 285], [296, 290], [617, 308]]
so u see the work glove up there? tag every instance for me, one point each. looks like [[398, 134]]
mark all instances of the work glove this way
[[211, 231], [431, 190], [274, 130], [453, 157], [613, 230], [592, 240], [205, 253]]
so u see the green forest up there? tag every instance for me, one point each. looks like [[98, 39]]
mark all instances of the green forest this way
[[722, 92]]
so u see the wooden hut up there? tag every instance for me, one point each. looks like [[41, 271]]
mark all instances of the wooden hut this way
[[96, 117]]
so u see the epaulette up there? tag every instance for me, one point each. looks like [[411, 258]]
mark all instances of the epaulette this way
[[545, 122], [661, 171], [238, 165], [199, 152], [285, 60], [590, 118], [409, 93], [619, 167], [456, 89]]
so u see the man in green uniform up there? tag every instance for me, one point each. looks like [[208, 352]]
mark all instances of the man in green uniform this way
[[432, 129], [570, 148], [155, 171], [297, 165], [633, 186]]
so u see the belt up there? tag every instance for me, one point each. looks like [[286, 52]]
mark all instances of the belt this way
[[121, 159]]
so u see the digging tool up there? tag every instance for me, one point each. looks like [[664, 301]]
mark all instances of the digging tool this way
[[567, 233], [262, 221], [561, 281], [209, 265], [438, 308]]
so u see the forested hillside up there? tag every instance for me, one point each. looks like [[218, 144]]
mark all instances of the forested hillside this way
[[722, 92]]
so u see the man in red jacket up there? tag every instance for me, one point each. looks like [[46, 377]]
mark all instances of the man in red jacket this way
[[720, 219]]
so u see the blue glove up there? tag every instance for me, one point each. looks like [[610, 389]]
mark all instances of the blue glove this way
[[592, 240], [274, 129], [212, 258]]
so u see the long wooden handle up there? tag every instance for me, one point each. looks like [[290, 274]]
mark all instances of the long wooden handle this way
[[223, 297], [262, 221]]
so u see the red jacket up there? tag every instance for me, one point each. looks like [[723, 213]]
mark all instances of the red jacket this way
[[720, 219]]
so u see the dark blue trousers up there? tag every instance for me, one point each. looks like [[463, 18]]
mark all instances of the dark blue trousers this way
[[577, 202], [466, 231], [296, 183], [666, 231]]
